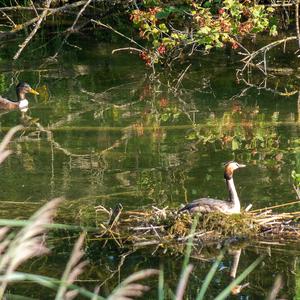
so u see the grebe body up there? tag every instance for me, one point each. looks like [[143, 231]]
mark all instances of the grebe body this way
[[206, 205]]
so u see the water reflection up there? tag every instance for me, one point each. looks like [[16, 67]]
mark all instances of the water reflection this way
[[112, 136]]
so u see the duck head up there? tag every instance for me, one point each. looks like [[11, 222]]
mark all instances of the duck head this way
[[24, 88]]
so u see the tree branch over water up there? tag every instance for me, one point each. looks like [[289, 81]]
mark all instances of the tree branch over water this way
[[33, 32]]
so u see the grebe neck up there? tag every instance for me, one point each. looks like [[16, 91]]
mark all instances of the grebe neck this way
[[233, 196]]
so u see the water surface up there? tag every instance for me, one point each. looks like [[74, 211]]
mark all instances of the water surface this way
[[113, 136]]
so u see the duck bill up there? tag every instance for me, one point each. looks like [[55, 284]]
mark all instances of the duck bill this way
[[32, 91]]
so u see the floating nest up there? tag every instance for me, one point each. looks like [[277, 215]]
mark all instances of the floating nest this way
[[166, 227]]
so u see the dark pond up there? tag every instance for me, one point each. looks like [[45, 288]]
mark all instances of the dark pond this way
[[119, 138]]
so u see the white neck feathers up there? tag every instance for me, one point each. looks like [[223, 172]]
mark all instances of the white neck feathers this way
[[233, 196], [23, 103]]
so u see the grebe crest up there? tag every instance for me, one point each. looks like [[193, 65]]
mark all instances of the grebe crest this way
[[230, 167]]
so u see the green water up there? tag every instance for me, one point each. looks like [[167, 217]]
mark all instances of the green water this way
[[119, 138]]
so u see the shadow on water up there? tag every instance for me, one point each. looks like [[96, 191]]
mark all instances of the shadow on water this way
[[101, 133]]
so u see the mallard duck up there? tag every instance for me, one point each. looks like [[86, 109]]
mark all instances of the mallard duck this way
[[21, 89], [232, 206]]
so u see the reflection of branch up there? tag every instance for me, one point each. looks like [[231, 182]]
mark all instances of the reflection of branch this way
[[118, 269], [56, 145], [181, 77], [263, 86], [235, 262], [277, 286]]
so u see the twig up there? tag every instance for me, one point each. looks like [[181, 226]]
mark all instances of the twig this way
[[33, 32], [249, 59], [181, 77], [126, 49], [117, 32], [50, 12], [71, 29], [297, 191], [10, 20], [275, 206], [32, 4], [297, 21]]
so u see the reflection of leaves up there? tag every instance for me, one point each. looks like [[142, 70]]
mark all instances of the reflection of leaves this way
[[170, 113], [165, 117], [236, 131], [191, 135]]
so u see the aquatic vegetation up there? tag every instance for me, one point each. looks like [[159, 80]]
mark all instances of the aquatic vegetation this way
[[167, 228], [30, 242]]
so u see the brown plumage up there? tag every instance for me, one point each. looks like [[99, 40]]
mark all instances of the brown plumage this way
[[22, 103]]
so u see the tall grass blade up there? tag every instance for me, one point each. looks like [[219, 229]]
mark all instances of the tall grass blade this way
[[48, 282], [73, 269], [96, 293], [161, 294], [186, 269], [3, 152], [277, 286], [190, 243], [17, 297], [29, 241], [128, 289], [23, 223], [239, 279], [209, 277], [183, 282]]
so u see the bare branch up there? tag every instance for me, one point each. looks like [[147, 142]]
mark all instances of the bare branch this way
[[33, 32]]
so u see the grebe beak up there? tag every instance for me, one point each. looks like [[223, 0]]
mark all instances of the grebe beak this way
[[32, 91], [242, 166]]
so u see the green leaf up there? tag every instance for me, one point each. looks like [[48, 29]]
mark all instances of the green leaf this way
[[163, 27], [163, 14], [207, 4]]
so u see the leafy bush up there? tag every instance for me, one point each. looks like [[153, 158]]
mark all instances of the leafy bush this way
[[183, 28]]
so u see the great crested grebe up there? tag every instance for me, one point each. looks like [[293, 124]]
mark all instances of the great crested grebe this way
[[232, 206], [21, 89]]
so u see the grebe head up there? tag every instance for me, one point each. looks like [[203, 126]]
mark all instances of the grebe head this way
[[23, 88], [230, 167]]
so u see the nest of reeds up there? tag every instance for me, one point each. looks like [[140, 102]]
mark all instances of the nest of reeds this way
[[166, 226]]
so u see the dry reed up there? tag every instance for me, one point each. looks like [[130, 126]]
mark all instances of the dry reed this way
[[166, 227]]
